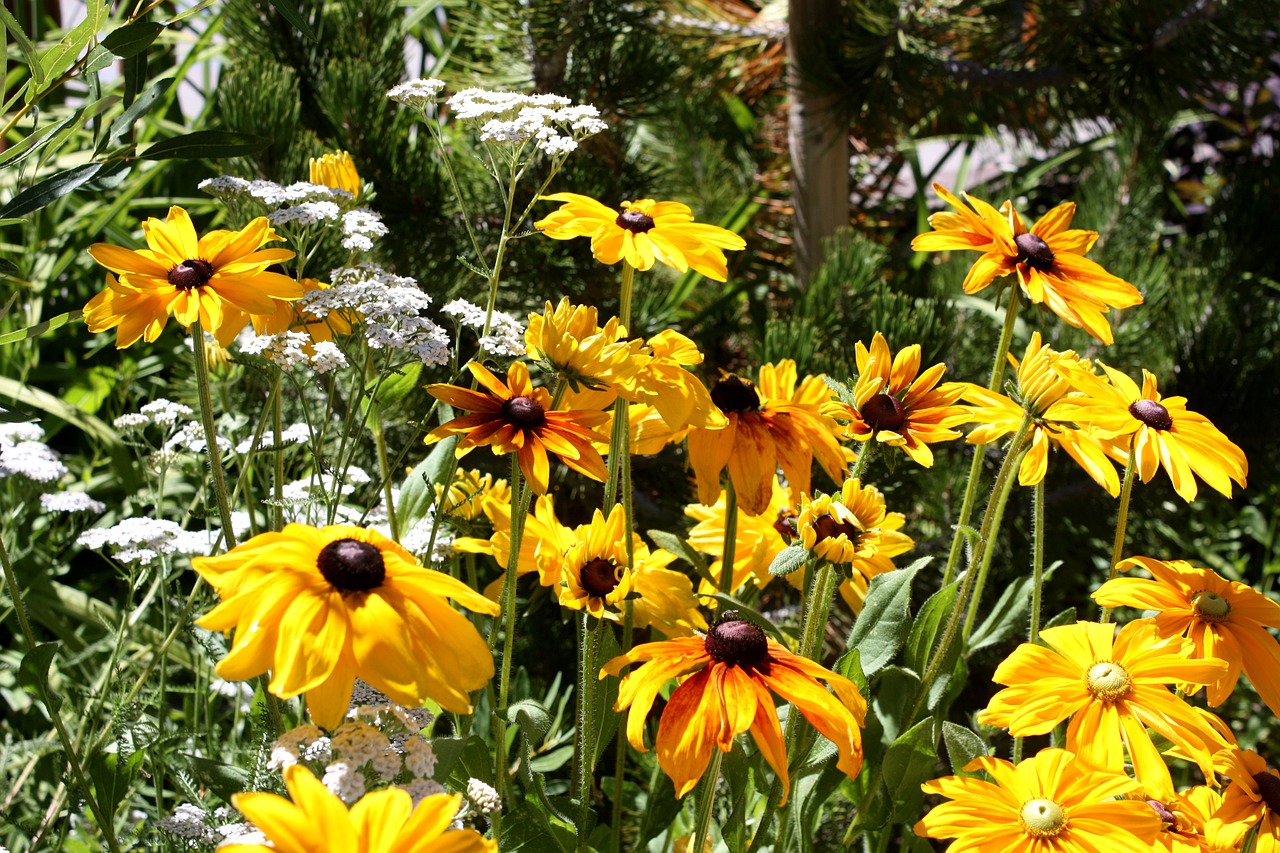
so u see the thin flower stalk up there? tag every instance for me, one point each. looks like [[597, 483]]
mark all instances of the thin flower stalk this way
[[1122, 523], [1037, 580], [211, 437], [706, 802], [730, 536], [589, 639]]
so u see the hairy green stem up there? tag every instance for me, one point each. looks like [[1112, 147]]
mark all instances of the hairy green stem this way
[[211, 435], [730, 537], [1122, 524], [584, 750], [986, 547], [1037, 581]]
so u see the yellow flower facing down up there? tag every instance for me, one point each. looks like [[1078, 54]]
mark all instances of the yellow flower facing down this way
[[570, 341], [853, 529], [776, 423], [1049, 259], [759, 538], [336, 170], [1113, 687], [1252, 799], [1222, 619], [642, 233], [319, 607], [473, 493], [543, 532], [734, 670], [897, 404], [662, 381], [515, 417], [1160, 432], [384, 821], [218, 279], [1041, 382], [1049, 803]]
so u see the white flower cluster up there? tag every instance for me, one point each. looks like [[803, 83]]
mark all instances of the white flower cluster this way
[[70, 502], [506, 333], [164, 412], [360, 227], [484, 797], [143, 540], [392, 307], [292, 434], [289, 350], [307, 213], [271, 194], [417, 93], [202, 828], [553, 122], [190, 436], [417, 538], [357, 756], [22, 453]]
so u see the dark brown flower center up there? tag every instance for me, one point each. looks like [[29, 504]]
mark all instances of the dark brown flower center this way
[[351, 565], [523, 412], [1269, 789], [1152, 414], [1035, 251], [884, 411], [1168, 818], [826, 527], [737, 642], [786, 524], [634, 221], [600, 577], [190, 274], [733, 394]]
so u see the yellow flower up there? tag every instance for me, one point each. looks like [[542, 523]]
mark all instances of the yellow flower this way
[[1183, 818], [898, 405], [319, 607], [338, 171], [775, 423], [1049, 803], [1158, 431], [595, 572], [1113, 689], [1252, 799], [569, 340], [1041, 383], [1222, 618], [661, 380], [853, 529], [666, 603], [516, 417], [217, 279], [733, 668], [643, 232], [385, 821], [1049, 259], [472, 493], [543, 532], [759, 539]]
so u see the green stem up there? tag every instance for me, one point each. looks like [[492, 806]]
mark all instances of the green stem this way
[[1037, 581], [730, 537], [975, 467], [624, 296], [859, 466], [707, 801], [1122, 524], [620, 747], [986, 546], [584, 750], [277, 416], [384, 470], [19, 607], [211, 435]]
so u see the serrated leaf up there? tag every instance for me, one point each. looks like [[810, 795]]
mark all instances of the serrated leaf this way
[[49, 190], [33, 674], [885, 621], [289, 11], [212, 144], [132, 39], [842, 391], [790, 559], [223, 779], [125, 121], [962, 745], [909, 763]]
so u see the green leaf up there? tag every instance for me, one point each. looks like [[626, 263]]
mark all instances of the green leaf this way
[[26, 47], [223, 779], [33, 674], [681, 548], [525, 828], [1009, 615], [205, 143], [962, 745], [60, 57], [909, 763], [533, 719], [790, 559], [132, 39], [289, 11], [928, 627], [37, 140], [49, 190], [1066, 617], [885, 621], [125, 121], [417, 493], [397, 386], [551, 761], [111, 777], [40, 328]]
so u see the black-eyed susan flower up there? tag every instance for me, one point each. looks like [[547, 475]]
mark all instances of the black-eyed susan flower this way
[[1113, 687], [852, 530], [543, 532], [384, 821], [734, 670], [1160, 432], [642, 233], [1251, 800], [1041, 382], [320, 607], [1049, 259], [666, 602], [216, 279], [569, 340], [515, 417], [595, 572], [759, 538], [1049, 803], [897, 404], [776, 423], [336, 170], [1222, 619]]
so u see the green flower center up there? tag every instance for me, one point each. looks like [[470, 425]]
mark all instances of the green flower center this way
[[190, 274], [884, 412], [1107, 681], [1152, 414], [1211, 607], [1042, 818], [1034, 251], [351, 565], [733, 394], [634, 221], [1269, 788], [523, 412], [600, 577], [735, 641]]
